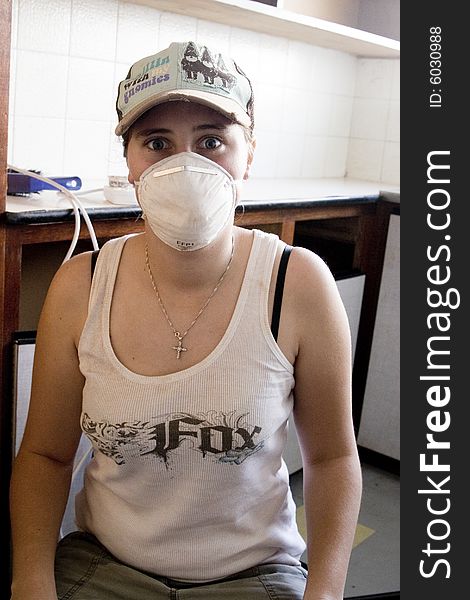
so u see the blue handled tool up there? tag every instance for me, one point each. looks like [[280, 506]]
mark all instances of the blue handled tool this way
[[19, 184]]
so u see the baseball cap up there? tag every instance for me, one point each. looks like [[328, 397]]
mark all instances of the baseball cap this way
[[185, 71]]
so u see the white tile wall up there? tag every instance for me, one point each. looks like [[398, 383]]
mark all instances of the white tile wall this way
[[175, 28], [374, 151], [90, 89], [47, 73], [391, 163], [213, 35], [289, 155], [94, 29], [39, 38], [314, 156], [134, 18], [374, 78], [335, 156], [86, 148], [339, 122], [244, 46], [38, 142], [319, 112], [365, 159], [393, 122], [264, 161]]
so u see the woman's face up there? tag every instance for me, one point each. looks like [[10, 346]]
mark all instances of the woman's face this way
[[179, 126]]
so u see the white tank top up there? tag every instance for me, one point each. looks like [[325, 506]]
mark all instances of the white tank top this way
[[187, 479]]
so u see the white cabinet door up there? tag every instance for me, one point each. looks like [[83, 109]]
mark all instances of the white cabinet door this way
[[379, 428]]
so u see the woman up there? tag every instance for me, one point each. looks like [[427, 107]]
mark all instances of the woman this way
[[166, 361]]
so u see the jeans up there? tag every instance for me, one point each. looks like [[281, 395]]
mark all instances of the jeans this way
[[85, 570]]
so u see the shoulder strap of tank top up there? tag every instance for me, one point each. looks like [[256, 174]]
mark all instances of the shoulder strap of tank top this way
[[281, 276], [94, 256]]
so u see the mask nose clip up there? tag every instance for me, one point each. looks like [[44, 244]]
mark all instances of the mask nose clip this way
[[189, 168]]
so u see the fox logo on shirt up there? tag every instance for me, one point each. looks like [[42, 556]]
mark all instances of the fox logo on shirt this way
[[227, 437]]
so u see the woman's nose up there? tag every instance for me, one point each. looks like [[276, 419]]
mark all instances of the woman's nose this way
[[183, 146]]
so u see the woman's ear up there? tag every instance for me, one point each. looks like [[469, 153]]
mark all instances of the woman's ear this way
[[251, 151]]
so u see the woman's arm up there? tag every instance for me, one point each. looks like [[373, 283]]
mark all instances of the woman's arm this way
[[323, 417], [42, 470]]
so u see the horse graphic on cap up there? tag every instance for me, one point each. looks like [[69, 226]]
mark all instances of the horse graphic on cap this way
[[194, 62]]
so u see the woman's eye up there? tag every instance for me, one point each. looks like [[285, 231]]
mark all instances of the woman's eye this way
[[211, 143], [157, 144]]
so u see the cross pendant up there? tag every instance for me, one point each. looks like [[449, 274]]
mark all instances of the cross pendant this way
[[179, 348]]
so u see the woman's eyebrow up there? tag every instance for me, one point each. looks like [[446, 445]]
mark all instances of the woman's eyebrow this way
[[151, 131], [205, 126], [164, 131]]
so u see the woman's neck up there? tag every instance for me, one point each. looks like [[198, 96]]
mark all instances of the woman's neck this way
[[190, 270]]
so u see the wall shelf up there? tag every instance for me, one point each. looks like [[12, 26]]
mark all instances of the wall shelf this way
[[275, 21]]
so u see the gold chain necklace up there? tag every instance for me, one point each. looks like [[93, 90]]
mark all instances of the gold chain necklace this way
[[180, 336]]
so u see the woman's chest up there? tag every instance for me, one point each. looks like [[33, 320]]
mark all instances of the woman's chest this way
[[153, 335]]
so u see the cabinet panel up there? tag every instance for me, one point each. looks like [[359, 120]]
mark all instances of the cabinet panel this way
[[379, 428]]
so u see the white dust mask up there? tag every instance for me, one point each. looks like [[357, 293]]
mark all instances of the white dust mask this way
[[187, 199]]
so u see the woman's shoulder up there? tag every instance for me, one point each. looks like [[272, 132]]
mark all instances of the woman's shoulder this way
[[313, 307], [70, 285], [73, 278], [72, 275], [310, 285], [306, 263]]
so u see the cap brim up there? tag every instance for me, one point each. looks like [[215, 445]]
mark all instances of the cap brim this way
[[226, 106]]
